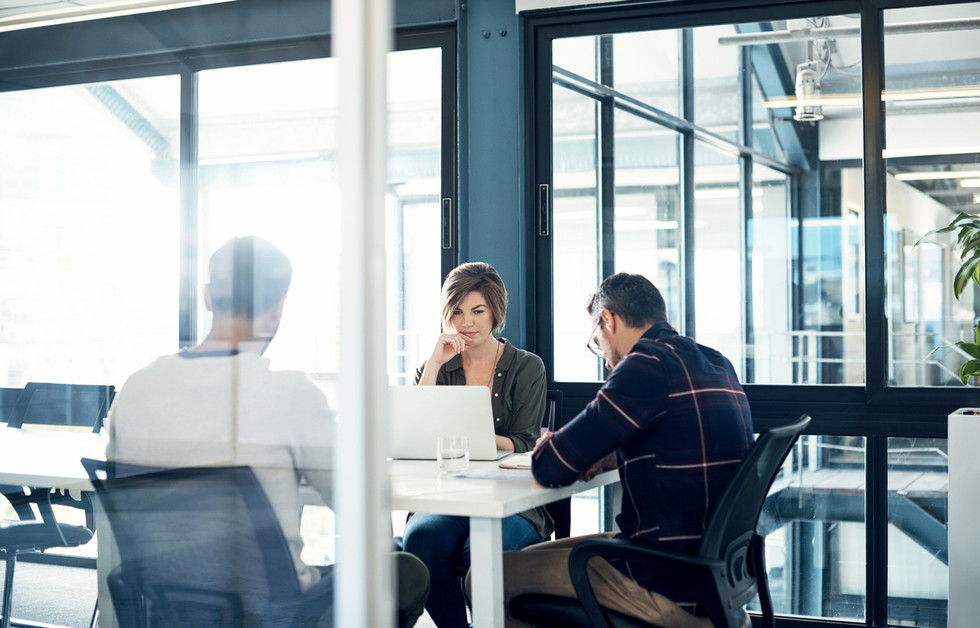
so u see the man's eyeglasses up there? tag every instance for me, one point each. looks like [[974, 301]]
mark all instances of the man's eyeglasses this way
[[592, 345]]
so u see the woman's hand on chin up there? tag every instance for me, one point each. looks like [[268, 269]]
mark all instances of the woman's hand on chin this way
[[448, 345]]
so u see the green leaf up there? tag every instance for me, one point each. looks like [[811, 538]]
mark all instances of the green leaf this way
[[965, 274], [970, 348], [962, 219], [969, 369]]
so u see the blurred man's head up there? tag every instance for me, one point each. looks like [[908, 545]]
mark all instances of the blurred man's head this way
[[249, 278]]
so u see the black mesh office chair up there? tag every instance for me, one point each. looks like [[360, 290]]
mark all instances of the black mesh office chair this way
[[66, 405], [31, 535], [200, 547], [48, 404], [44, 404], [727, 573]]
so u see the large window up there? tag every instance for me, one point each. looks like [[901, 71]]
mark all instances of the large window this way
[[771, 179], [683, 172], [932, 148], [94, 224], [89, 245]]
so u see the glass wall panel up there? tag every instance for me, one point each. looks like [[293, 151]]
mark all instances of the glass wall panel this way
[[89, 246], [645, 67], [918, 552], [814, 520], [716, 82], [278, 180], [647, 206], [267, 168], [812, 332], [576, 232], [769, 355], [718, 232], [765, 138], [932, 131]]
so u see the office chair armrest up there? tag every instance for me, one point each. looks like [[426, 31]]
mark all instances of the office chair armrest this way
[[693, 573]]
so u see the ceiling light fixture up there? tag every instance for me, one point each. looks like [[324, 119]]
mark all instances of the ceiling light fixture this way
[[854, 100], [970, 183], [932, 175], [807, 92]]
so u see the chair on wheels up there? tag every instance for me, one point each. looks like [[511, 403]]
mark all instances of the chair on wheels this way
[[80, 406], [728, 571], [47, 404], [32, 535], [200, 547]]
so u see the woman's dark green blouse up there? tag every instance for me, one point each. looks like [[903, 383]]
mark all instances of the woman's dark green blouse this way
[[519, 398]]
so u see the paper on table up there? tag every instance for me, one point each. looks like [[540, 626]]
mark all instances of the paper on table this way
[[517, 461], [523, 475]]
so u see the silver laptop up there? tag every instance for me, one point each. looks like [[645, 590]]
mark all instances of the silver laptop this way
[[420, 414]]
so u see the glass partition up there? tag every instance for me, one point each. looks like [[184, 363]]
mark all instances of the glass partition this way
[[932, 132], [775, 225], [918, 547], [89, 252], [814, 521]]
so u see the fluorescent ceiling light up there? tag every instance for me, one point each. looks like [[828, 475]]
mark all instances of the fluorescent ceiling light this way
[[932, 175], [95, 11], [970, 183], [854, 100]]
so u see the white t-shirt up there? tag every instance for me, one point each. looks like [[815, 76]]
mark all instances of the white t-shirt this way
[[200, 409]]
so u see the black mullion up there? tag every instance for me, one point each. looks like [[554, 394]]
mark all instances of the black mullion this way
[[450, 119], [686, 74], [538, 84], [607, 162], [189, 220], [876, 327], [876, 530], [745, 198]]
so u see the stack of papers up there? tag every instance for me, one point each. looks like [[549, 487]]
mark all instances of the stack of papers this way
[[517, 461]]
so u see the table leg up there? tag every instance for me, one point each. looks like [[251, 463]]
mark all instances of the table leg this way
[[486, 559]]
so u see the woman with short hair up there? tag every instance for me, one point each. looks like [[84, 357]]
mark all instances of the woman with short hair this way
[[467, 353]]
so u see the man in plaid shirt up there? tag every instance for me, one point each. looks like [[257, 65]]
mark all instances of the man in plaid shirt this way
[[673, 419]]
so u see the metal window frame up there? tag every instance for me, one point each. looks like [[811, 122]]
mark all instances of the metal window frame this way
[[874, 411]]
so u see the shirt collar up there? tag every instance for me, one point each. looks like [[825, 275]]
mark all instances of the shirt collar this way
[[658, 331]]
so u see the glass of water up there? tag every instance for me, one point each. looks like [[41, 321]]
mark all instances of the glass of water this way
[[452, 453]]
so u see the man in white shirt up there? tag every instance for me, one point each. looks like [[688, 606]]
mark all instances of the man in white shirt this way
[[219, 404]]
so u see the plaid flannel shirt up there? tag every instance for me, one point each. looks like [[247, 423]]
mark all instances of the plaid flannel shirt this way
[[679, 422]]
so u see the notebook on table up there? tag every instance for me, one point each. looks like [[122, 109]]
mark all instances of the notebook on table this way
[[420, 414]]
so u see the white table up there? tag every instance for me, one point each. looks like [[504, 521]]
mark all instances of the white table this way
[[52, 459], [418, 486]]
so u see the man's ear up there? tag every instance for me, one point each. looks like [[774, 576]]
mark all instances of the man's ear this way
[[608, 321], [207, 297]]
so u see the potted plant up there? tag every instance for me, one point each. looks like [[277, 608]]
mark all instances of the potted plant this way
[[968, 243]]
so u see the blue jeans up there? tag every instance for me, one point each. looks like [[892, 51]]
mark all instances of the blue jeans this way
[[442, 542]]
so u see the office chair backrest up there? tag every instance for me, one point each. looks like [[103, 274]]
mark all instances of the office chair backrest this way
[[733, 520], [202, 546], [76, 405]]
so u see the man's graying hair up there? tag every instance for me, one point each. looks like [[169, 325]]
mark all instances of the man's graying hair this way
[[631, 297]]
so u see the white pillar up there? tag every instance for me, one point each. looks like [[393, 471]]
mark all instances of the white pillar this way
[[364, 595], [964, 511]]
